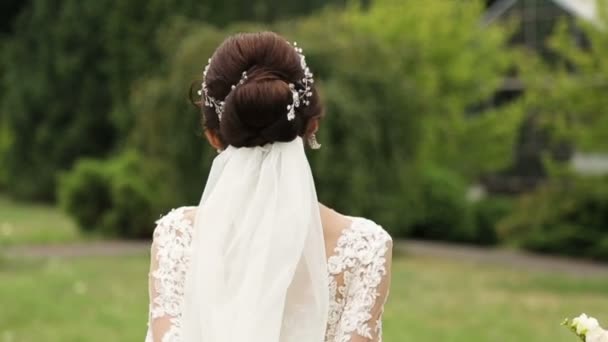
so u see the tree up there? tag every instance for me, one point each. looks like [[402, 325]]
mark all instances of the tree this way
[[9, 10], [57, 106], [68, 68], [566, 94]]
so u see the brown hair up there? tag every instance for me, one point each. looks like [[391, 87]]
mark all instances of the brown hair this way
[[255, 113]]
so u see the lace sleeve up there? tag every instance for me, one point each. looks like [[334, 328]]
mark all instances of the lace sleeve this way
[[369, 285], [168, 263], [380, 293]]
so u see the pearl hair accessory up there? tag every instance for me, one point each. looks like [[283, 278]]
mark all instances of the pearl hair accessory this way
[[299, 96]]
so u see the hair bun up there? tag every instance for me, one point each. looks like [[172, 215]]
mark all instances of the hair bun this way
[[255, 111]]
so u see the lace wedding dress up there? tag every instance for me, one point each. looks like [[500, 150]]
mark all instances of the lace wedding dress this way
[[358, 272]]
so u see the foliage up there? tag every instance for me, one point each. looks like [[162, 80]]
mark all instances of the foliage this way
[[56, 98], [167, 129], [567, 216], [113, 197], [5, 138], [429, 81], [489, 212], [67, 71], [398, 91], [564, 92], [442, 211], [9, 9]]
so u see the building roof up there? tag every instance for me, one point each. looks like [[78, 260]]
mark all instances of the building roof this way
[[584, 9]]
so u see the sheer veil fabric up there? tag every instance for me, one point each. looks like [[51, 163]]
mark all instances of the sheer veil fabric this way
[[258, 265]]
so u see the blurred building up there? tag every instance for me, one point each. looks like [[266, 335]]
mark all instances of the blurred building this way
[[537, 18], [535, 21]]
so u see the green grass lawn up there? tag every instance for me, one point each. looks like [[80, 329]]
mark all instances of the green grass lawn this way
[[105, 299], [34, 224]]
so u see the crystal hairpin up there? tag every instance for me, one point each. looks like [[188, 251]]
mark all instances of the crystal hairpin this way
[[210, 101], [299, 96], [241, 81]]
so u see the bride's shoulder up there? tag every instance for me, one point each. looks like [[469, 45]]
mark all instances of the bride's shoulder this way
[[177, 222], [366, 230], [347, 229], [362, 243]]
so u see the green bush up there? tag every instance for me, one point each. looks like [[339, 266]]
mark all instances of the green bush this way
[[60, 80], [5, 138], [488, 213], [442, 211], [111, 197], [567, 217], [85, 193]]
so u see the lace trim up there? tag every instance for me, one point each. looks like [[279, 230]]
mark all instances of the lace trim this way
[[360, 255], [172, 238]]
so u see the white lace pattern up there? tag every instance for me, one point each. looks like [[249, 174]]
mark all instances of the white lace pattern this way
[[358, 273]]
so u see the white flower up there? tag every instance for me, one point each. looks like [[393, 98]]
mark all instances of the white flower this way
[[583, 324], [597, 335]]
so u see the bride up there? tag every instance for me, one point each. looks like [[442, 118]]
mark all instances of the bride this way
[[259, 259]]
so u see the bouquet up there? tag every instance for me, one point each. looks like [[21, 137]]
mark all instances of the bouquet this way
[[587, 328]]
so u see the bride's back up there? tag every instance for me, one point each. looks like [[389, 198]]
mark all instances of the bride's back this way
[[334, 225], [259, 250], [358, 261]]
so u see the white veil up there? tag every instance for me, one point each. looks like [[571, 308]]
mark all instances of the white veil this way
[[258, 269]]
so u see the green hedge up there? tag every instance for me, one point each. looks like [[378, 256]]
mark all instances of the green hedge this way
[[442, 211], [567, 216], [488, 213], [111, 197], [69, 66]]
